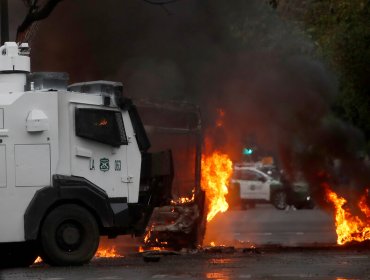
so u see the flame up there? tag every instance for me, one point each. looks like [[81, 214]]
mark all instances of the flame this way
[[148, 234], [220, 120], [100, 253], [212, 244], [348, 226], [38, 260], [103, 122], [184, 200], [141, 249], [363, 205], [216, 172], [107, 253]]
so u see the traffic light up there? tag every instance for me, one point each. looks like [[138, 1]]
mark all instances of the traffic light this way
[[247, 151]]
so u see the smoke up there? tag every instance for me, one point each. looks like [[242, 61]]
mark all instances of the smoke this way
[[243, 58]]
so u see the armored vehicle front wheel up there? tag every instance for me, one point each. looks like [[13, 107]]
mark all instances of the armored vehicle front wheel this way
[[69, 236]]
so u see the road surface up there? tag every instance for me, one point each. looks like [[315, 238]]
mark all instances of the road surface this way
[[266, 225], [313, 230]]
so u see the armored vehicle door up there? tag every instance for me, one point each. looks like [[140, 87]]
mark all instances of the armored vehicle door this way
[[99, 148]]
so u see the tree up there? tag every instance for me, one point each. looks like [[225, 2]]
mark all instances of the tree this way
[[39, 10], [341, 29]]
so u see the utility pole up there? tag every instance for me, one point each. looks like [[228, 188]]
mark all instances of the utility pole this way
[[4, 21]]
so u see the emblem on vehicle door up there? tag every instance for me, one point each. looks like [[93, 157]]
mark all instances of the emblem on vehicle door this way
[[104, 164], [117, 165]]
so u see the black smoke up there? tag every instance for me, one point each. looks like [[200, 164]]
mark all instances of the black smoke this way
[[240, 56]]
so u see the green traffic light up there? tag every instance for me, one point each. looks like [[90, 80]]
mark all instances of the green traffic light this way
[[247, 151]]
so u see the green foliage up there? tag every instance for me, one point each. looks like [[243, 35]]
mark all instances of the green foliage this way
[[341, 30]]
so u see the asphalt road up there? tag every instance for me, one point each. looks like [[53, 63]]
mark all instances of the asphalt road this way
[[266, 225], [278, 264], [309, 253]]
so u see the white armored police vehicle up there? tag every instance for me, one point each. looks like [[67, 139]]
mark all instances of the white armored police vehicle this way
[[73, 165]]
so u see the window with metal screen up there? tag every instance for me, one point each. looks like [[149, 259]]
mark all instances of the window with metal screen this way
[[103, 126]]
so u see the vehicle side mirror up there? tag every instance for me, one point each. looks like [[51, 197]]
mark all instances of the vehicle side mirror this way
[[262, 179]]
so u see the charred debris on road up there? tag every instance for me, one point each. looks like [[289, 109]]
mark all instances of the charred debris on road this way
[[177, 126]]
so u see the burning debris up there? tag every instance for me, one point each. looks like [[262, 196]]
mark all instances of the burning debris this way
[[183, 223], [349, 226], [168, 222], [184, 200], [180, 223], [182, 214]]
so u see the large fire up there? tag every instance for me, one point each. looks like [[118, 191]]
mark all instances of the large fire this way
[[216, 173], [350, 227]]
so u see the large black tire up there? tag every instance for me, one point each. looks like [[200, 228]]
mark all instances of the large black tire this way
[[279, 200], [20, 254], [69, 236]]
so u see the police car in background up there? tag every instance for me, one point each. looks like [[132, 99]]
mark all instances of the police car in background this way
[[251, 185]]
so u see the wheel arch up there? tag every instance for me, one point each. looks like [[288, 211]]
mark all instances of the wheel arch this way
[[86, 195], [78, 202]]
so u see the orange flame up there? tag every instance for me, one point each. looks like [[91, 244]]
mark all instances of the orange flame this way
[[38, 260], [348, 226], [141, 249], [184, 200], [363, 205], [107, 253], [216, 172], [220, 120], [103, 122], [148, 234]]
